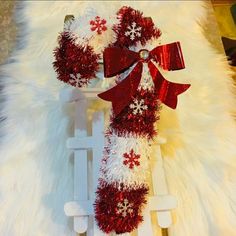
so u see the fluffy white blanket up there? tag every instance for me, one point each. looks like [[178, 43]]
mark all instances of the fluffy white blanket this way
[[36, 173]]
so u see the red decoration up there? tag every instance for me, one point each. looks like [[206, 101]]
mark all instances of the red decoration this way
[[139, 125], [136, 105], [118, 209], [98, 25], [131, 159], [117, 60], [74, 64], [134, 28]]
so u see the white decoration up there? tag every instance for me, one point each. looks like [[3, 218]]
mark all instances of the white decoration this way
[[125, 207], [146, 82], [138, 106], [77, 80], [67, 24], [112, 171], [81, 24], [133, 31], [80, 28], [79, 143]]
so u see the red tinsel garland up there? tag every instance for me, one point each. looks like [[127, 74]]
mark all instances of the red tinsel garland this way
[[139, 125], [117, 209], [127, 16], [75, 64]]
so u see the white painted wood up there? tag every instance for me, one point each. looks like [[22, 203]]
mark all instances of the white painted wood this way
[[145, 227], [80, 164], [79, 208], [82, 209], [162, 202], [80, 143], [160, 188], [98, 145], [155, 203], [71, 94]]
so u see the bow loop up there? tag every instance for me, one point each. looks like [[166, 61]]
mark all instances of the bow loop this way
[[117, 60], [168, 56]]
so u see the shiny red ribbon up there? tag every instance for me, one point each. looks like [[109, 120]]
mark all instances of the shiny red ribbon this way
[[118, 60]]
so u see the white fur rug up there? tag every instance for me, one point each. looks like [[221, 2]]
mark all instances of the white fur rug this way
[[200, 155]]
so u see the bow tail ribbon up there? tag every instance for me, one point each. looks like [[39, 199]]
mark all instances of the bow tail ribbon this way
[[123, 93], [167, 92]]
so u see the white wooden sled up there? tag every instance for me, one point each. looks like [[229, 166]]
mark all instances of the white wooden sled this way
[[86, 171]]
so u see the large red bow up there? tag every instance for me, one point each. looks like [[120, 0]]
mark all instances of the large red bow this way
[[118, 60]]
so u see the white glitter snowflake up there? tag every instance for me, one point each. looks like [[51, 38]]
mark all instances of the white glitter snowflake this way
[[146, 84], [146, 81], [133, 31], [138, 107], [77, 80], [124, 208]]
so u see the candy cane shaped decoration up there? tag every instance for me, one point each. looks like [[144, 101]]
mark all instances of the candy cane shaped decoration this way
[[121, 201], [136, 101]]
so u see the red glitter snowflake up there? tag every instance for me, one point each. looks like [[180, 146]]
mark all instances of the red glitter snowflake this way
[[98, 25], [131, 159]]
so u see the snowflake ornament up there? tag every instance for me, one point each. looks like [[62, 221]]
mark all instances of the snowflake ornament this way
[[131, 159], [138, 106], [146, 81], [146, 84], [77, 80], [98, 25], [133, 31], [124, 208]]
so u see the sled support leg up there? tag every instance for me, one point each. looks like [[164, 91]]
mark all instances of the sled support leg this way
[[160, 189], [80, 160]]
